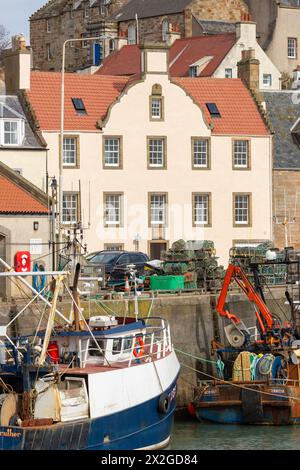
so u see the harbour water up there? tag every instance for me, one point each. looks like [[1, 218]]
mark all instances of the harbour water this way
[[191, 435]]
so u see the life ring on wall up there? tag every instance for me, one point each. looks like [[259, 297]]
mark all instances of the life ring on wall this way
[[138, 350], [164, 403]]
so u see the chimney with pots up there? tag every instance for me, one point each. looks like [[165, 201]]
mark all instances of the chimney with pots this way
[[17, 65], [173, 34], [122, 40]]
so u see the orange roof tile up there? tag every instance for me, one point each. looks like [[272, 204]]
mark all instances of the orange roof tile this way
[[97, 93], [239, 112], [183, 53], [16, 200]]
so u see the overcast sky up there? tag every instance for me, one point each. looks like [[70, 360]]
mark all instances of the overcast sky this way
[[14, 14]]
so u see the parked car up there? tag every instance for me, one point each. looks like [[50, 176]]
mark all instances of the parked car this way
[[115, 263]]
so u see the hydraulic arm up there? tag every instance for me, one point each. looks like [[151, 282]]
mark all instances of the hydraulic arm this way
[[263, 315]]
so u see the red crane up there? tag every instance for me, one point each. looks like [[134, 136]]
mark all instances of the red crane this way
[[264, 317]]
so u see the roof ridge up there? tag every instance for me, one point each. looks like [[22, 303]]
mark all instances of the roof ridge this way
[[47, 4]]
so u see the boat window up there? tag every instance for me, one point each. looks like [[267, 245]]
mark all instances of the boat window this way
[[117, 343], [93, 350], [127, 344]]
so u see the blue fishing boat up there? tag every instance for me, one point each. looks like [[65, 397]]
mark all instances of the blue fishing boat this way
[[102, 383]]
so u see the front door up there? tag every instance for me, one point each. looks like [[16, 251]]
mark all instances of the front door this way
[[3, 256], [98, 53], [156, 248]]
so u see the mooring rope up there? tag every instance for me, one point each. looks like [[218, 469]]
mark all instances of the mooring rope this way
[[240, 386]]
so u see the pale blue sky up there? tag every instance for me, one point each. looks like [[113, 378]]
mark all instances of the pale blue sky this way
[[14, 14]]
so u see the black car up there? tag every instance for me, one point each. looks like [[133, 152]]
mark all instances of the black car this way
[[116, 262]]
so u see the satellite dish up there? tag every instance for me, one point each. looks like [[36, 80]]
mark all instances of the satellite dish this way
[[234, 336]]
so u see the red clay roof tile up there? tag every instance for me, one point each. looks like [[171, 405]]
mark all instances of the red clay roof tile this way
[[239, 112], [97, 93], [16, 200], [183, 53]]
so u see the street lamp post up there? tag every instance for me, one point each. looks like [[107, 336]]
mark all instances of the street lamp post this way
[[61, 138]]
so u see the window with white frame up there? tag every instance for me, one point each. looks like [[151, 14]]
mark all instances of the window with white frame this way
[[156, 108], [112, 209], [70, 151], [267, 79], [48, 26], [241, 154], [242, 209], [201, 209], [131, 34], [200, 153], [12, 131], [158, 209], [112, 152], [228, 73], [70, 208], [165, 30], [156, 152], [292, 48]]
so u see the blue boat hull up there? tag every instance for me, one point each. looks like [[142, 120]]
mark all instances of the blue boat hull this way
[[235, 415], [139, 427]]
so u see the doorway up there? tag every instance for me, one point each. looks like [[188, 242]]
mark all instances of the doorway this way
[[156, 248]]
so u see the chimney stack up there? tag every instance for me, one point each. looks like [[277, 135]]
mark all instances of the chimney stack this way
[[173, 34], [248, 70], [122, 40], [17, 65]]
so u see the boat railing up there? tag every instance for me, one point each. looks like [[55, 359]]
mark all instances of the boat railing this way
[[146, 346]]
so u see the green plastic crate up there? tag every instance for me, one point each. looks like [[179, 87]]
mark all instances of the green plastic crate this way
[[166, 282]]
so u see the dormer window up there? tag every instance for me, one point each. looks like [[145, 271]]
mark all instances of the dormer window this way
[[11, 132]]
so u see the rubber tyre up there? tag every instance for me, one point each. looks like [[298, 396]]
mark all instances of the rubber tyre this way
[[164, 403]]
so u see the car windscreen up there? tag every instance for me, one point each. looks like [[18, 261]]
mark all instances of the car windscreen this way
[[103, 258]]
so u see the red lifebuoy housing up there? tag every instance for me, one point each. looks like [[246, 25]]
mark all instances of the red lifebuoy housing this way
[[138, 347]]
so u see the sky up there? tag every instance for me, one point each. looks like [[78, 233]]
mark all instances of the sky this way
[[14, 15]]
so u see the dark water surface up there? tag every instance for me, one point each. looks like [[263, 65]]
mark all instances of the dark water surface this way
[[192, 435]]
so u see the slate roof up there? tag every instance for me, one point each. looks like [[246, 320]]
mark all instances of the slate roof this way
[[283, 108], [149, 8], [97, 92], [183, 53], [216, 27], [10, 107]]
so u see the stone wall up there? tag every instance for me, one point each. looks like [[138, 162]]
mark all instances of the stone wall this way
[[193, 324], [66, 26], [150, 29], [286, 205], [225, 10]]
